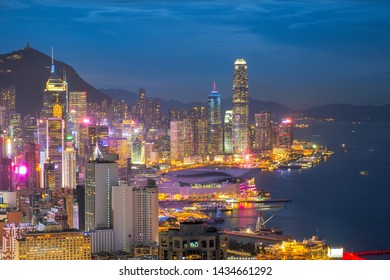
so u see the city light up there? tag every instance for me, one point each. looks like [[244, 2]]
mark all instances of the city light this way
[[22, 170]]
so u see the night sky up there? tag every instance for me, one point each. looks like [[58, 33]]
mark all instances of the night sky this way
[[299, 53]]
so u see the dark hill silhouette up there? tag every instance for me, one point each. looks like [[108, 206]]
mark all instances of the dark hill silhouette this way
[[28, 70]]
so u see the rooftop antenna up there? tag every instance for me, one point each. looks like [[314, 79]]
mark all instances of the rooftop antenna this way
[[215, 86], [52, 60]]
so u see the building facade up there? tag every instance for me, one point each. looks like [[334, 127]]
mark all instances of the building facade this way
[[135, 211], [263, 132], [215, 130], [101, 174], [193, 241], [240, 108]]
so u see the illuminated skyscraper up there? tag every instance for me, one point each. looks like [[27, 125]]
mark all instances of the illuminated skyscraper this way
[[138, 152], [7, 100], [69, 166], [55, 92], [177, 140], [263, 132], [240, 107], [49, 179], [227, 132], [285, 134], [31, 157], [215, 121], [54, 147], [78, 106]]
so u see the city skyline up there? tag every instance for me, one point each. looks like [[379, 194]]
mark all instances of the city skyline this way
[[299, 54]]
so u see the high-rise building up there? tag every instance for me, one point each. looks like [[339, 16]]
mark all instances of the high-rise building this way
[[285, 133], [263, 132], [7, 174], [135, 211], [8, 97], [15, 125], [56, 91], [200, 137], [32, 159], [240, 108], [69, 166], [100, 175], [78, 106], [49, 178], [138, 152], [215, 130], [98, 134], [227, 132], [177, 140], [55, 128]]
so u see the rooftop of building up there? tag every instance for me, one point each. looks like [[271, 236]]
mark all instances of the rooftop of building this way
[[210, 175]]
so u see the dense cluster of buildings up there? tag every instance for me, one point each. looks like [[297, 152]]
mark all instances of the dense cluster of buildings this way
[[67, 187]]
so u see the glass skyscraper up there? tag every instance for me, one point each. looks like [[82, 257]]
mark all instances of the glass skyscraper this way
[[240, 108], [214, 120]]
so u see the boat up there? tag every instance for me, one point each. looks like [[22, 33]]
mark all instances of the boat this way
[[213, 206], [290, 165], [261, 229], [364, 173], [344, 148]]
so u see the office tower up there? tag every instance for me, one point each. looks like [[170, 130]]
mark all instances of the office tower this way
[[193, 241], [100, 175], [6, 175], [151, 154], [177, 141], [77, 106], [163, 146], [8, 96], [240, 108], [200, 137], [55, 92], [29, 129], [138, 152], [188, 138], [135, 211], [62, 245], [98, 134], [263, 133], [31, 157], [49, 177], [55, 132], [15, 125], [227, 132], [215, 130], [285, 133], [69, 166]]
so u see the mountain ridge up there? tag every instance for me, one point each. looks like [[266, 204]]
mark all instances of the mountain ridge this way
[[28, 70]]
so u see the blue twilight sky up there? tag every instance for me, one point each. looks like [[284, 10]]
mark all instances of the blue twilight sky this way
[[299, 53]]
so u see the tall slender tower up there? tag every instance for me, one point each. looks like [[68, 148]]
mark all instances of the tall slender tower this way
[[55, 92], [240, 108], [215, 122]]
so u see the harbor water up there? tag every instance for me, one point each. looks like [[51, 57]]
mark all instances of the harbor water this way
[[334, 200]]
